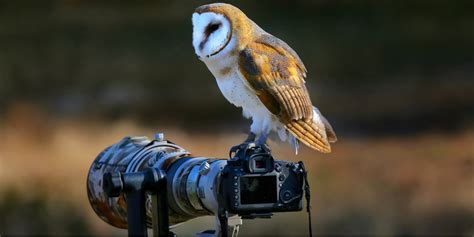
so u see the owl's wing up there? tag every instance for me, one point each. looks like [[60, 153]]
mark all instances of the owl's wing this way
[[276, 74]]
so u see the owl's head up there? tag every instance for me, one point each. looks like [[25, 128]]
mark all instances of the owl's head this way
[[218, 29]]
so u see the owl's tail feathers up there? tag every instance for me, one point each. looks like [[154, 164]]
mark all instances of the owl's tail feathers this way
[[316, 133], [330, 134], [309, 134]]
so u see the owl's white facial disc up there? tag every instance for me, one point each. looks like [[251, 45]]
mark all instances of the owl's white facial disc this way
[[211, 33]]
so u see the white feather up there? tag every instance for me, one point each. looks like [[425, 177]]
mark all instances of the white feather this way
[[238, 93]]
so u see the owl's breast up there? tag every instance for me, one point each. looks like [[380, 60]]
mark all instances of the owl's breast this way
[[232, 85], [235, 91]]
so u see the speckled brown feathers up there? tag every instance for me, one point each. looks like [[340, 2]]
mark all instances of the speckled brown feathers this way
[[277, 75], [266, 69]]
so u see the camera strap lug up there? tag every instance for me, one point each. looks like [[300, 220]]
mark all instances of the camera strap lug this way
[[307, 193]]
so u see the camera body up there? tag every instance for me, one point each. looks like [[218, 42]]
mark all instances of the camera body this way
[[254, 184]]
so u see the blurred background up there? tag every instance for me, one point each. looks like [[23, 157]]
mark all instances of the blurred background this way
[[395, 78]]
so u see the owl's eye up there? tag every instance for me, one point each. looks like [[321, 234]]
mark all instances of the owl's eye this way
[[212, 27]]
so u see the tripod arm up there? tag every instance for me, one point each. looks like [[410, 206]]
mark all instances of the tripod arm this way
[[135, 186]]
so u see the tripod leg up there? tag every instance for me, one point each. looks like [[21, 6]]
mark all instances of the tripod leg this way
[[136, 215], [160, 218], [223, 224]]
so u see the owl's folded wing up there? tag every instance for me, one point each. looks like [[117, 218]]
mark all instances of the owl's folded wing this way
[[275, 72]]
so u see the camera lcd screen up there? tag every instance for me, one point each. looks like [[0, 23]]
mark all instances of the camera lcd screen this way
[[256, 190]]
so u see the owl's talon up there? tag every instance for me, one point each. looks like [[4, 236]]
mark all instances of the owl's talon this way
[[246, 144], [262, 140], [233, 150], [250, 138], [263, 145]]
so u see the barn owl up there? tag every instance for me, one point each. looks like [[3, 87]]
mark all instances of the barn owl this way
[[260, 73]]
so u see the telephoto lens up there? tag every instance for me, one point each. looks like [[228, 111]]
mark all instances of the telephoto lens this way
[[191, 180]]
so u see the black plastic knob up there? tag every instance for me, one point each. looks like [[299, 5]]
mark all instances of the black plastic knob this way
[[113, 184]]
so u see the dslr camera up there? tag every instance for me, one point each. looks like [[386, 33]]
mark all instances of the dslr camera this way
[[253, 184]]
